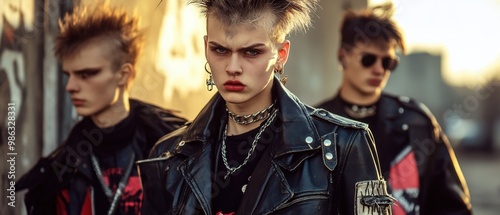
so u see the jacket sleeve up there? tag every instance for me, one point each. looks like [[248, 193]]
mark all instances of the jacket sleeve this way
[[448, 193], [363, 190], [43, 181], [153, 199], [153, 175]]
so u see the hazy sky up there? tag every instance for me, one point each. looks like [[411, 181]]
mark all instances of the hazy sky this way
[[467, 33]]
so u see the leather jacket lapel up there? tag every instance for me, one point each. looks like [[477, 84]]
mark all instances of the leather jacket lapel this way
[[197, 172], [300, 135], [261, 196], [197, 169], [389, 108], [299, 131], [208, 120]]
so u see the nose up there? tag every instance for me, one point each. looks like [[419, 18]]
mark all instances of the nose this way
[[234, 66], [377, 68], [71, 85]]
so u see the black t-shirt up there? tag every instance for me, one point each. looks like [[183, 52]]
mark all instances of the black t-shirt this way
[[114, 152], [229, 192], [114, 157]]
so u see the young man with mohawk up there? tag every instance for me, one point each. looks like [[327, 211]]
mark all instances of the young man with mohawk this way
[[255, 148], [94, 172]]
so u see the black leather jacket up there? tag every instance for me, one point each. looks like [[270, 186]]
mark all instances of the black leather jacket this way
[[409, 124], [69, 164], [325, 164]]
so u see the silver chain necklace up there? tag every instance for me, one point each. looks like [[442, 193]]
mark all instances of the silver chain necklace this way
[[231, 170], [251, 118], [114, 198]]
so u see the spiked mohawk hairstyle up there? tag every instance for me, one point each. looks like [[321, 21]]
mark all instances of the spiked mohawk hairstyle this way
[[107, 24], [290, 14], [373, 24]]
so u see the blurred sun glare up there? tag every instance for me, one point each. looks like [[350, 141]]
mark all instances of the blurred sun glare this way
[[466, 33]]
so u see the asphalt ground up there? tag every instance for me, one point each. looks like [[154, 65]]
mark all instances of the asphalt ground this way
[[482, 173]]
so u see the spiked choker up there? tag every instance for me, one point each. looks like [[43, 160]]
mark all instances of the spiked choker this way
[[359, 111]]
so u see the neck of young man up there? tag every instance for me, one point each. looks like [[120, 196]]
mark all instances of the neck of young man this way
[[114, 114], [234, 128], [358, 98]]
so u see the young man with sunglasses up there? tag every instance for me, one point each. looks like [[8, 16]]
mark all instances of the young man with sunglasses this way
[[415, 155]]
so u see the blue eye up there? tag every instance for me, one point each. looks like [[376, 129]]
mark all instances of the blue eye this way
[[219, 50], [252, 52]]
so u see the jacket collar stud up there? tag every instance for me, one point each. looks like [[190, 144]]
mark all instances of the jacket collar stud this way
[[327, 142], [309, 139]]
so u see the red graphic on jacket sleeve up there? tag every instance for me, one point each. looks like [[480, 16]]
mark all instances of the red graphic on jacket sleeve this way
[[404, 182]]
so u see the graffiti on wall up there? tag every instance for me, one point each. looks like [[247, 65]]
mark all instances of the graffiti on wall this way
[[15, 27], [16, 30]]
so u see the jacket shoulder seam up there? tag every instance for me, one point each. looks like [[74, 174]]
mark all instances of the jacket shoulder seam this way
[[414, 105], [338, 120]]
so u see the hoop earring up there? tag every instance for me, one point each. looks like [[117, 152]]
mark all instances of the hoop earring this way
[[279, 71], [210, 81]]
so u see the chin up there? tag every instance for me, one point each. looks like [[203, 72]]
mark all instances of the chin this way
[[371, 91], [84, 113], [232, 97]]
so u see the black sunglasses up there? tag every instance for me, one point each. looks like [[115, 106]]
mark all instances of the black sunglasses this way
[[388, 63]]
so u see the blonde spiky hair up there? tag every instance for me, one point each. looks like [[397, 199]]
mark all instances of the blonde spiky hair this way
[[106, 24], [290, 15]]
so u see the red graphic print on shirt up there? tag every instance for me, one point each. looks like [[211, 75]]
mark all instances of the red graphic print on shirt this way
[[404, 182], [220, 213], [131, 198]]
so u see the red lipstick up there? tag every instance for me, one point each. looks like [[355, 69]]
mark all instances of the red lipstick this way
[[234, 85]]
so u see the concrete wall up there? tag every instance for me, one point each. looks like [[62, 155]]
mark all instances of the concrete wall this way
[[313, 68], [20, 84]]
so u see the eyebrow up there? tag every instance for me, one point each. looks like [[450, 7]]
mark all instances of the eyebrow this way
[[86, 70], [257, 45]]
